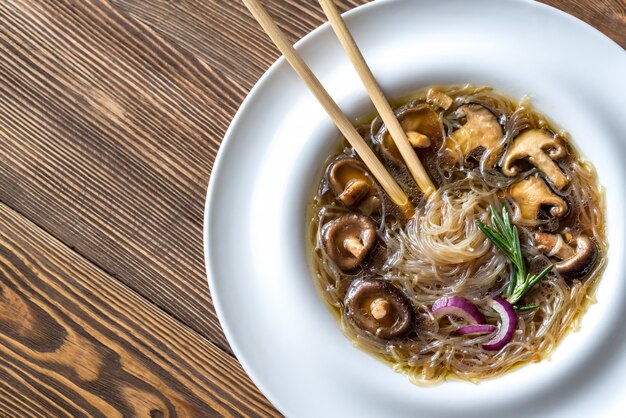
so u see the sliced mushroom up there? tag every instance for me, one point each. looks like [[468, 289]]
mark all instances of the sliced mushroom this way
[[439, 99], [533, 144], [576, 262], [378, 307], [481, 130], [348, 240], [531, 193], [421, 124], [350, 181]]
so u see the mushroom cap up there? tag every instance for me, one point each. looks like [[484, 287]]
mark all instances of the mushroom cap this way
[[584, 259], [350, 181], [362, 305], [421, 120], [480, 130], [348, 239]]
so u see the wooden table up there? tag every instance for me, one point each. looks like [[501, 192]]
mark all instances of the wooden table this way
[[111, 114]]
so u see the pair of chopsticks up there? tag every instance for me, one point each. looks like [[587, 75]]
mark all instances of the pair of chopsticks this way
[[375, 93]]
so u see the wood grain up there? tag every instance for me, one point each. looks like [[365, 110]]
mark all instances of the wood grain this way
[[224, 35], [107, 138], [608, 16], [75, 342]]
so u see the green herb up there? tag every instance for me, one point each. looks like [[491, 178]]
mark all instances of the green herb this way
[[506, 238], [526, 307]]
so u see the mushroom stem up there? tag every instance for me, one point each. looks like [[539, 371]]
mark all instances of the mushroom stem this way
[[540, 159], [379, 308], [417, 139], [553, 246], [355, 191], [355, 247]]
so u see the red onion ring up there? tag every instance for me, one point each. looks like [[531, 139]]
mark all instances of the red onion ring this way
[[476, 329], [508, 324], [459, 307]]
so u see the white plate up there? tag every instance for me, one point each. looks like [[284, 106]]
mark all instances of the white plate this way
[[270, 160]]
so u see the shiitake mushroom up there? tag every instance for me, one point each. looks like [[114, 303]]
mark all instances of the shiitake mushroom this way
[[353, 185], [348, 239], [380, 308], [574, 262]]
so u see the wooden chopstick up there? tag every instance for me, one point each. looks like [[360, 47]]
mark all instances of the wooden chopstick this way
[[378, 98], [378, 170]]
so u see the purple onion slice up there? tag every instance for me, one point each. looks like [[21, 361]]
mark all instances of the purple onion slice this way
[[459, 307], [476, 329], [508, 324]]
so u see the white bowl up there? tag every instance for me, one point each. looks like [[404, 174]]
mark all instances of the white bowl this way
[[271, 158]]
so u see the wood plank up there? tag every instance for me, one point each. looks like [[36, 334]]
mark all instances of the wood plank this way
[[76, 342], [608, 16], [107, 138], [224, 34]]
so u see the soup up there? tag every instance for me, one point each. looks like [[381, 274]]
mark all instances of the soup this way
[[490, 272]]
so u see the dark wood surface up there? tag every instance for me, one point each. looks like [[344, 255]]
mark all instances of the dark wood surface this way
[[111, 114]]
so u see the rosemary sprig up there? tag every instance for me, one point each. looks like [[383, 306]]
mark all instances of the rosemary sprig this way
[[526, 307], [506, 238]]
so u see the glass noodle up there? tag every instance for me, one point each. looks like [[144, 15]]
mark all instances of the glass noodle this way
[[441, 251]]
